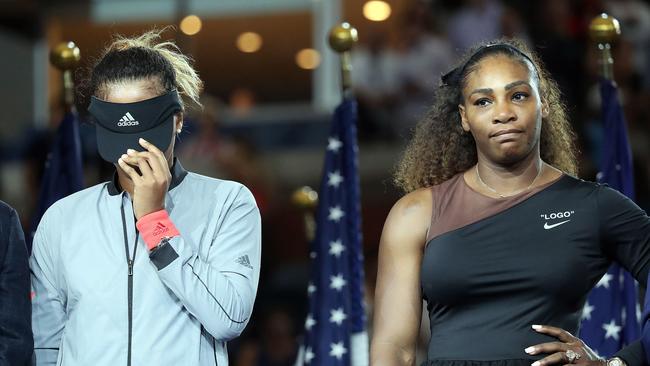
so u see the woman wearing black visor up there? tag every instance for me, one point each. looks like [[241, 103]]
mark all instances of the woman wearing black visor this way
[[159, 266]]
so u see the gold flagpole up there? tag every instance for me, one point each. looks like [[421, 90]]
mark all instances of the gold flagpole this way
[[65, 57], [306, 199], [342, 39], [604, 30]]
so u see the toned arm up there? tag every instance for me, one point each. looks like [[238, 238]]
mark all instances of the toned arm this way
[[398, 301]]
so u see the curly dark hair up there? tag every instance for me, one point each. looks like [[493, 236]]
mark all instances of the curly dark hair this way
[[440, 148]]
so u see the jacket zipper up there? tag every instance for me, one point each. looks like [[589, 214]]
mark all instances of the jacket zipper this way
[[129, 262], [214, 351]]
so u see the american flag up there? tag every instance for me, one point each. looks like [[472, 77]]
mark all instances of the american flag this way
[[335, 326], [611, 316], [63, 169]]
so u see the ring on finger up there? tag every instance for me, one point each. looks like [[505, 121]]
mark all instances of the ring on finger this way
[[572, 356]]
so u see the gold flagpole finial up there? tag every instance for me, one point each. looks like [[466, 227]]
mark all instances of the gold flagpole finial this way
[[306, 199], [65, 57], [342, 39], [605, 30]]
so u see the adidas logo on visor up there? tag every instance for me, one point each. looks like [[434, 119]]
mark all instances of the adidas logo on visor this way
[[127, 120]]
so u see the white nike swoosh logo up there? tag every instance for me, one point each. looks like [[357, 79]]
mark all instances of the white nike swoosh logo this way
[[547, 226]]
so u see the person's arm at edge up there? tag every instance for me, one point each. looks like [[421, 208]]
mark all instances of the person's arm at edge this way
[[16, 341], [398, 298]]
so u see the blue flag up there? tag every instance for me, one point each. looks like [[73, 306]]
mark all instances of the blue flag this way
[[63, 170], [335, 328], [610, 319]]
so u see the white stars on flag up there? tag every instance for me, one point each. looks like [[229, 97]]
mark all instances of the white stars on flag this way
[[612, 330], [337, 350], [337, 282], [311, 288], [586, 311], [336, 311], [604, 282], [309, 355], [336, 248], [608, 316], [334, 144], [335, 213], [337, 316], [309, 322], [334, 179]]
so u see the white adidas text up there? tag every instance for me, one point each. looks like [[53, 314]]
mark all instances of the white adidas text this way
[[127, 120]]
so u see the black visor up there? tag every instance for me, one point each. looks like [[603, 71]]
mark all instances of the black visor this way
[[120, 125]]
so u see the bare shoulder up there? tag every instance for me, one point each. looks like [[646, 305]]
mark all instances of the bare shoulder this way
[[409, 219], [415, 203]]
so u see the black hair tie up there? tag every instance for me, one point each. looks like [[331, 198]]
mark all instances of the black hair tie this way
[[453, 77]]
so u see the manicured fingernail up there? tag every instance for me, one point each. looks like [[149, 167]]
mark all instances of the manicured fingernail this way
[[537, 327], [529, 350], [124, 156], [130, 151], [536, 363], [142, 140]]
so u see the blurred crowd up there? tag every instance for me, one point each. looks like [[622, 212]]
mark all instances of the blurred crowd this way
[[396, 73]]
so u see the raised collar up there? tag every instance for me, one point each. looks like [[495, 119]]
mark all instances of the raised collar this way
[[178, 174]]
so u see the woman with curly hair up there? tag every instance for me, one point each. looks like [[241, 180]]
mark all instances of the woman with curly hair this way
[[495, 232]]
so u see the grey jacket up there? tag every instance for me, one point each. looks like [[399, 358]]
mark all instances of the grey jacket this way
[[178, 305]]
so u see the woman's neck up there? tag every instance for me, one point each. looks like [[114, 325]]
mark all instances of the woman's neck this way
[[505, 180]]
